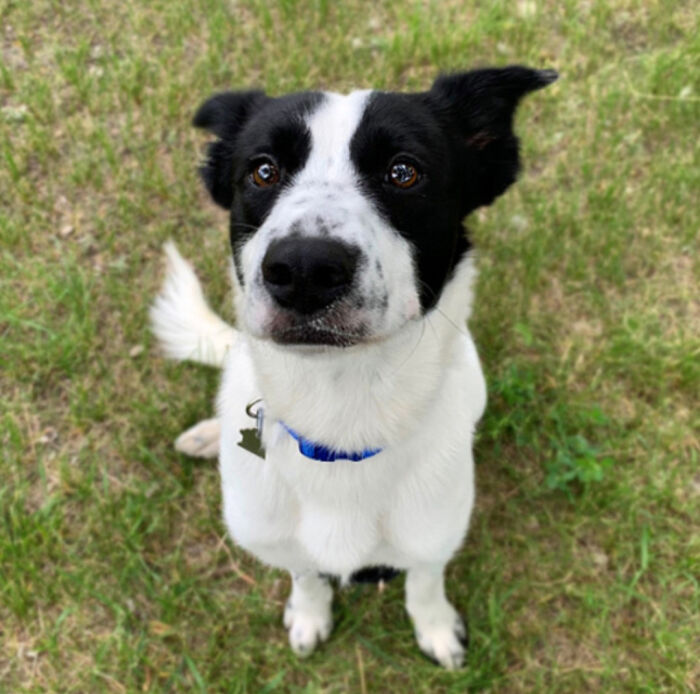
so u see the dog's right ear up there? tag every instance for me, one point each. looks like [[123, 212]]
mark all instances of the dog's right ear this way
[[224, 115]]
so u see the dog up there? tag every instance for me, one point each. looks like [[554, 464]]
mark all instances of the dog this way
[[351, 388]]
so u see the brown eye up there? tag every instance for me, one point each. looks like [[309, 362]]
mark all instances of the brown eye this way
[[403, 175], [265, 174]]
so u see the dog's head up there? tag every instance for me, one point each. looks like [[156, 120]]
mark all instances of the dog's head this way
[[346, 210]]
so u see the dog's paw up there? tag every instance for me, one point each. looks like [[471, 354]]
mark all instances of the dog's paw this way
[[444, 642], [201, 440], [307, 627]]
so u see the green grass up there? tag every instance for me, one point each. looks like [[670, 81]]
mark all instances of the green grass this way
[[581, 569]]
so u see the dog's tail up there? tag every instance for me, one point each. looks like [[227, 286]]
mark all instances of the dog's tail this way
[[182, 320]]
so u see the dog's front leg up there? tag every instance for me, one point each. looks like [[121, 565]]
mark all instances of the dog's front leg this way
[[440, 631], [307, 615], [201, 440]]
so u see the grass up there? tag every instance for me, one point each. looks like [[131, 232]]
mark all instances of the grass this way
[[581, 569]]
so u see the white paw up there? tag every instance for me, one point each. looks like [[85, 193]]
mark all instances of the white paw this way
[[201, 440], [444, 641], [307, 627]]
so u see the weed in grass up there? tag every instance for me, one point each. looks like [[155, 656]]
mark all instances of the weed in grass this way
[[547, 422]]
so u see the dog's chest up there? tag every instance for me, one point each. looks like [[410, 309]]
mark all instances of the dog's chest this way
[[333, 515], [402, 505]]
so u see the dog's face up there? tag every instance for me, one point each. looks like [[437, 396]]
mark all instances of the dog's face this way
[[346, 211]]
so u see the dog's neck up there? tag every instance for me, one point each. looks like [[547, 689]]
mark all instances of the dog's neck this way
[[371, 395]]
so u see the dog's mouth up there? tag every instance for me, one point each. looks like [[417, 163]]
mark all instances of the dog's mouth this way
[[311, 335], [321, 333], [336, 327]]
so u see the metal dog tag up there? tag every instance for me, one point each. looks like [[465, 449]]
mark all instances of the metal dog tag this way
[[251, 439]]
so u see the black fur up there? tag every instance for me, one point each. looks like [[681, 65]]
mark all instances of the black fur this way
[[460, 136], [249, 125], [375, 574], [224, 115], [402, 126], [478, 108]]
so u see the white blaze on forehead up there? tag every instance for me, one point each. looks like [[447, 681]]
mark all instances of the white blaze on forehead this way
[[332, 126]]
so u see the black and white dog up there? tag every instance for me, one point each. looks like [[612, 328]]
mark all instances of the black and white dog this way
[[353, 283]]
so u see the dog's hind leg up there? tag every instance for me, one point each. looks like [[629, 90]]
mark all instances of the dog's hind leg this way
[[440, 631], [307, 615], [201, 440]]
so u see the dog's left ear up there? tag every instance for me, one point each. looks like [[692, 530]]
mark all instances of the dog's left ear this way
[[480, 106], [224, 115]]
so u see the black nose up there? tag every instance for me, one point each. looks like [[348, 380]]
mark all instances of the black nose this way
[[307, 275]]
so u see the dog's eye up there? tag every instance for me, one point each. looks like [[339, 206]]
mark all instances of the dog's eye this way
[[403, 175], [265, 174]]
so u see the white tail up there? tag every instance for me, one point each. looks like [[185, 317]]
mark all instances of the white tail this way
[[182, 320]]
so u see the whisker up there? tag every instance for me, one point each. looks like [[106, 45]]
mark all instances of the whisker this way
[[413, 351], [459, 329], [244, 225]]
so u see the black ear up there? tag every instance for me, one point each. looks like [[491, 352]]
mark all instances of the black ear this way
[[224, 115], [480, 106]]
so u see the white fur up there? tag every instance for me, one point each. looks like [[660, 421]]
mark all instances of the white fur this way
[[416, 390], [201, 440], [418, 394], [307, 615], [182, 320]]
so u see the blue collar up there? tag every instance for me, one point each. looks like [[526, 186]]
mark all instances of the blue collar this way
[[316, 451]]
